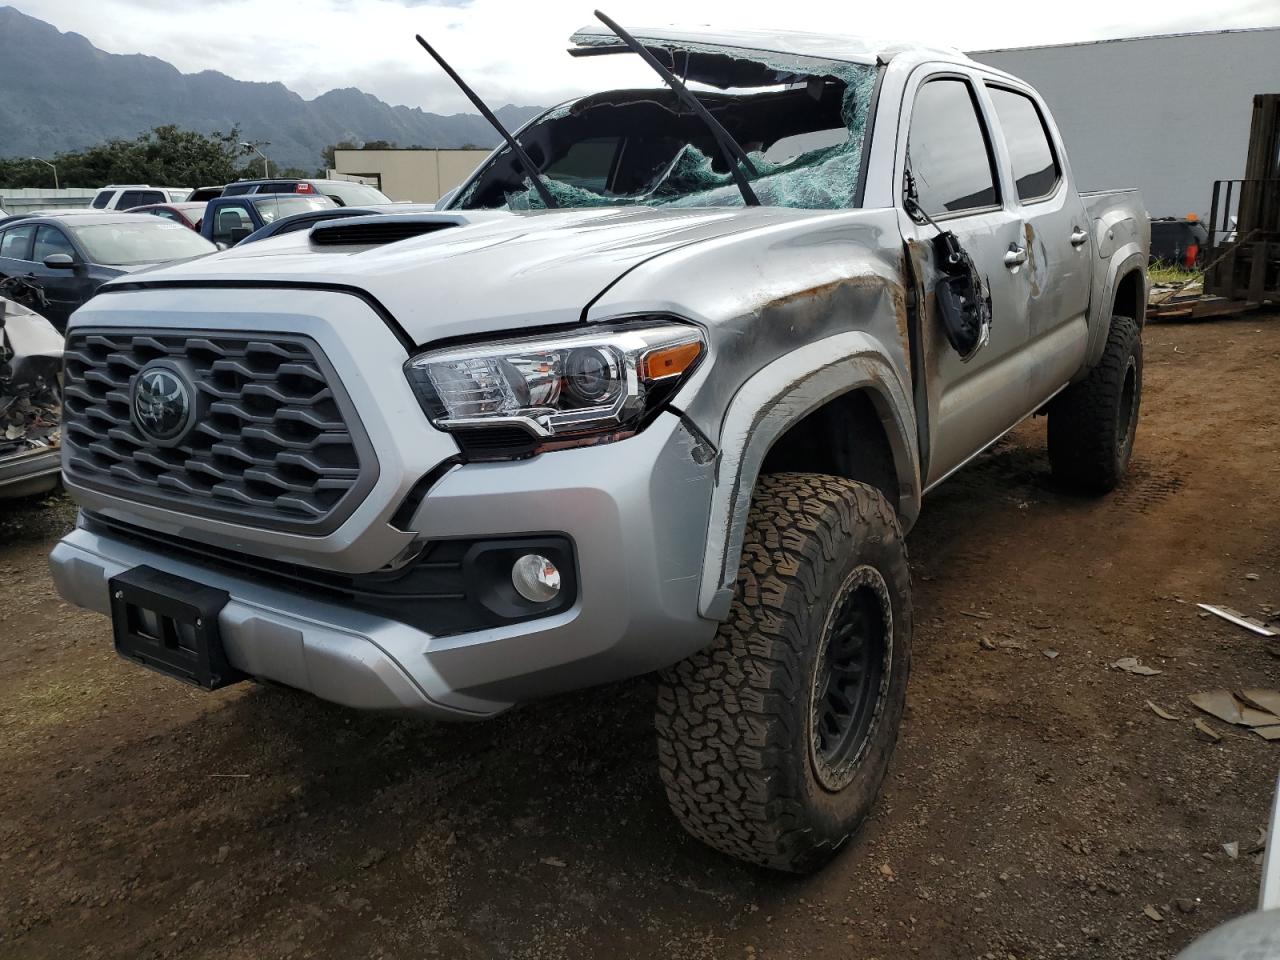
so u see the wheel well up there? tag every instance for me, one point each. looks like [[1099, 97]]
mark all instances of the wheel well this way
[[1130, 298], [844, 437]]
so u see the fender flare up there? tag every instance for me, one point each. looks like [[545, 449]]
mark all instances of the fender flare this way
[[771, 401], [1125, 260]]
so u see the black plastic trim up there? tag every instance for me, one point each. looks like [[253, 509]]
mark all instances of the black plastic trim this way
[[456, 585]]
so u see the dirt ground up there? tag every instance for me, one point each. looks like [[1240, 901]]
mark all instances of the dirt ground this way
[[1035, 806]]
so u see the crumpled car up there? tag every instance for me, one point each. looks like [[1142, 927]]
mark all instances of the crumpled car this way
[[30, 402]]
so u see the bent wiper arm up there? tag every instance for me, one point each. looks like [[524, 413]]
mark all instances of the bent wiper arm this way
[[535, 175], [733, 153]]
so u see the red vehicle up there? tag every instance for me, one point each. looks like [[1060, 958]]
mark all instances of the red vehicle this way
[[188, 214]]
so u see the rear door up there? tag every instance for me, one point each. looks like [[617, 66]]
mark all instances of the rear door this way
[[15, 257], [1055, 237], [15, 250], [945, 143]]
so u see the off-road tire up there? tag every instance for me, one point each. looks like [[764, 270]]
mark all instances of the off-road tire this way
[[1092, 423], [738, 748]]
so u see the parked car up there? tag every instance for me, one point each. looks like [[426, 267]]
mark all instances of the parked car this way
[[71, 255], [666, 398], [30, 409], [1179, 242], [127, 196], [304, 221], [229, 220], [204, 194], [189, 215], [345, 193]]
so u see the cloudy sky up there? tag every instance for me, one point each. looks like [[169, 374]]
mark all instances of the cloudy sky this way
[[512, 51]]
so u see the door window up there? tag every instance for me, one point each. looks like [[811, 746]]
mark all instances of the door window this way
[[232, 225], [948, 153], [51, 240], [138, 198], [1035, 168], [16, 242]]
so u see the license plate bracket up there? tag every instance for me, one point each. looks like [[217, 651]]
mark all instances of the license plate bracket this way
[[170, 624]]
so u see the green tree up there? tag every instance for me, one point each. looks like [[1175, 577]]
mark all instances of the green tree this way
[[165, 155]]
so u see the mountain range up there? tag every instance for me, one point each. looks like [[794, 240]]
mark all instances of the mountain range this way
[[58, 92]]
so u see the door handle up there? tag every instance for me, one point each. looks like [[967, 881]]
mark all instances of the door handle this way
[[1015, 256], [1078, 236]]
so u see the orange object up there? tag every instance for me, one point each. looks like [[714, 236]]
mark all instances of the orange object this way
[[669, 361], [1193, 217]]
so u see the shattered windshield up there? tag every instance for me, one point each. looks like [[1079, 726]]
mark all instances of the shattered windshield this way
[[803, 132]]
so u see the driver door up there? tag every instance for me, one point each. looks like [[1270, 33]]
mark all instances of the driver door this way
[[946, 147], [64, 290]]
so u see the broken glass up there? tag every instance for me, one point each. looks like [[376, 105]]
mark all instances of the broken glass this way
[[648, 154]]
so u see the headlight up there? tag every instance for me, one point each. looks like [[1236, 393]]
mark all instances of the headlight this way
[[593, 386]]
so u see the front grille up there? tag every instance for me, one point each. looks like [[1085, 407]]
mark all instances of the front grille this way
[[275, 443]]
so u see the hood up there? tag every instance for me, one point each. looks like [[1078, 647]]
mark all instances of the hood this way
[[486, 270]]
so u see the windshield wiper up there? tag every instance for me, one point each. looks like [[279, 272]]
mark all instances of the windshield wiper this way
[[733, 153], [535, 175]]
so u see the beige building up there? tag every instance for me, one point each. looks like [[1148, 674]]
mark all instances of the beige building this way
[[422, 176]]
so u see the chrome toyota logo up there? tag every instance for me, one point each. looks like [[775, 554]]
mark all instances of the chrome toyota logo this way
[[162, 405]]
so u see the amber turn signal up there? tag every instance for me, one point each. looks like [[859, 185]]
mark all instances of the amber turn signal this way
[[670, 361]]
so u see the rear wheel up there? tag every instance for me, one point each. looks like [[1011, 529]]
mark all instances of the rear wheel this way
[[773, 741], [1092, 423]]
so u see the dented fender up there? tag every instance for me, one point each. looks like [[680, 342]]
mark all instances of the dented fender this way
[[773, 400], [795, 314]]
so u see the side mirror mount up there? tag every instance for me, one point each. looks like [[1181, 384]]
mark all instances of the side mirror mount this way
[[222, 245], [60, 261]]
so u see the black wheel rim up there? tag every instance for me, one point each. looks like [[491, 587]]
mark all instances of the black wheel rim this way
[[849, 681], [1128, 424]]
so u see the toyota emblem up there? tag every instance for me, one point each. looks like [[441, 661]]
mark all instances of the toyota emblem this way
[[162, 404]]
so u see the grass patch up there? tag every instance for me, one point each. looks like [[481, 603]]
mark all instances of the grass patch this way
[[1167, 274]]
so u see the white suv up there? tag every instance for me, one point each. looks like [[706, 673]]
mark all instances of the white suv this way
[[126, 196]]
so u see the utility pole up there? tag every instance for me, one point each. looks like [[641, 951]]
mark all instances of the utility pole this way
[[266, 164], [51, 167]]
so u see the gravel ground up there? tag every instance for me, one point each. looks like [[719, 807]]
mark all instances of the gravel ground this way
[[1035, 806]]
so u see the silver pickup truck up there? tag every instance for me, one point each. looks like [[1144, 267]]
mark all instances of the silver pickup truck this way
[[662, 395]]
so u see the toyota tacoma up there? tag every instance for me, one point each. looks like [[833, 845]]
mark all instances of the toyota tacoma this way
[[659, 388]]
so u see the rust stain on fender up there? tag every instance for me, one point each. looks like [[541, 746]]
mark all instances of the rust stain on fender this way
[[822, 290]]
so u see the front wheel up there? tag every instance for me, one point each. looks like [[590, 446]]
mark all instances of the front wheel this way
[[1092, 423], [773, 742]]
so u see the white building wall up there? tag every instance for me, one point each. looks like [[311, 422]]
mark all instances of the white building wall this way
[[422, 176]]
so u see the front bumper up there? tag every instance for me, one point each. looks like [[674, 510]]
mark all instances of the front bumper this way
[[635, 510]]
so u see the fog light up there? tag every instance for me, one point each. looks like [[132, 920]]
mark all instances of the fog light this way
[[535, 578]]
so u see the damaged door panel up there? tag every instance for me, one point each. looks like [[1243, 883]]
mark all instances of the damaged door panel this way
[[949, 173]]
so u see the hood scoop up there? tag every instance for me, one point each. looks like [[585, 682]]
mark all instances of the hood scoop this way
[[380, 229]]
